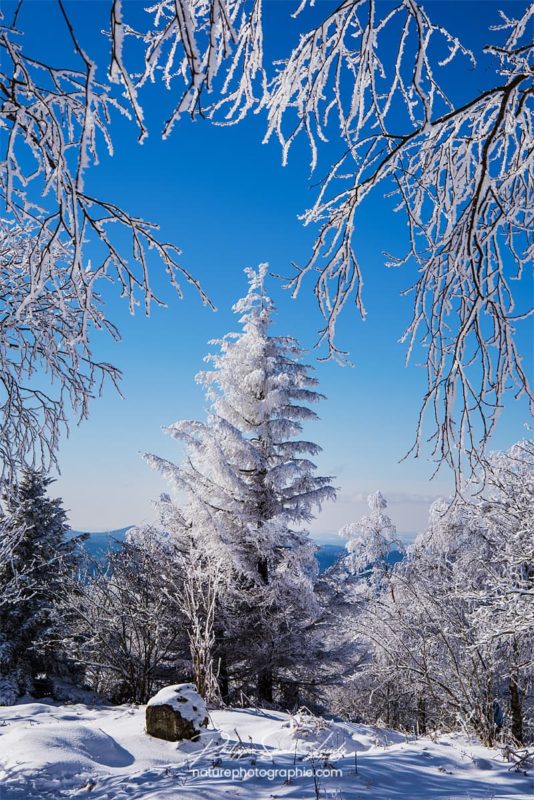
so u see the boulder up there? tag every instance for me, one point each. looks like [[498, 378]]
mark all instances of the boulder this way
[[176, 712]]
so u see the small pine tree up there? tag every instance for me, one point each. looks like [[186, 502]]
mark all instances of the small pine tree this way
[[372, 542], [250, 485], [40, 559]]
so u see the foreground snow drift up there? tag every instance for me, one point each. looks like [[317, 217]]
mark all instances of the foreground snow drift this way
[[50, 751]]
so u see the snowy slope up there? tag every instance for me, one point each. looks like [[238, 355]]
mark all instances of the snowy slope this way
[[49, 751]]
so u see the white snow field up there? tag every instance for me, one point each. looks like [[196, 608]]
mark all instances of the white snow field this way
[[53, 751]]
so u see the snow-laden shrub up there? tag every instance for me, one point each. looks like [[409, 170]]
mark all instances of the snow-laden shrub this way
[[305, 724]]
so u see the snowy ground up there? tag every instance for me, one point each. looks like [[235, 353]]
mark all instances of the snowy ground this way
[[52, 751]]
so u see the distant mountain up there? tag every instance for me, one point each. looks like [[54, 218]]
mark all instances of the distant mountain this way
[[328, 554], [97, 544]]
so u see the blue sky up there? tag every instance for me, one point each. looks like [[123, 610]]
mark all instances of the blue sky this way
[[223, 197]]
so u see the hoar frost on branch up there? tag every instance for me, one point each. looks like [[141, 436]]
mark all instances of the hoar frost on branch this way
[[43, 324], [51, 120], [365, 77], [460, 174], [362, 86], [125, 625]]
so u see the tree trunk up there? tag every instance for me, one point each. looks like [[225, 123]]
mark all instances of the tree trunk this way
[[263, 569], [421, 715], [516, 710], [223, 680], [199, 669], [265, 677], [265, 685]]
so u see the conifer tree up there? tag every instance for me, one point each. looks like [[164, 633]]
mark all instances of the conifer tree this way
[[250, 486], [372, 542], [40, 559]]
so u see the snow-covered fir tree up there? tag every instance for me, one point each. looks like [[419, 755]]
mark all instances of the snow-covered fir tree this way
[[32, 575], [372, 542], [250, 486]]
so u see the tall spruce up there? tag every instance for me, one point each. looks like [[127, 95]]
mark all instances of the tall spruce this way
[[33, 573], [250, 486]]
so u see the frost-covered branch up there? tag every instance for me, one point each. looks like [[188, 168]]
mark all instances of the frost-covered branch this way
[[362, 87], [43, 328], [52, 121], [460, 174], [187, 43]]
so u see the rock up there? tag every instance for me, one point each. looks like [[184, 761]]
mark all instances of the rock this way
[[176, 712]]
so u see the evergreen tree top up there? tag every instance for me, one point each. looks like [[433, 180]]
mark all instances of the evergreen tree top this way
[[247, 471]]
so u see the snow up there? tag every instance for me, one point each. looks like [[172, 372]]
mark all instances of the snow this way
[[101, 752], [185, 699]]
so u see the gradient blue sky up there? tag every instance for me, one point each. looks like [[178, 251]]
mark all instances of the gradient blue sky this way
[[223, 197]]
